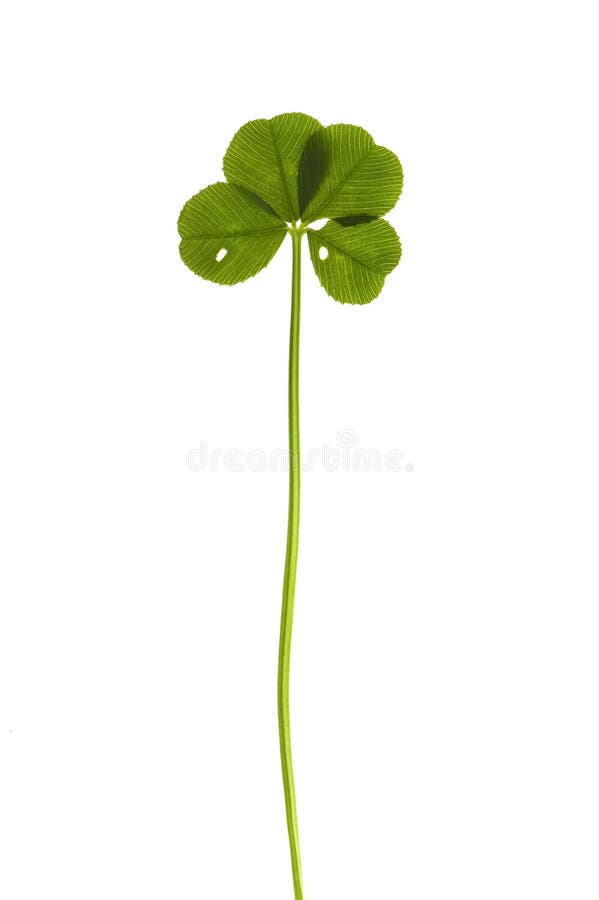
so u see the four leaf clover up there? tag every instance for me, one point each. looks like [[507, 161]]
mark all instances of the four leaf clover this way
[[286, 173]]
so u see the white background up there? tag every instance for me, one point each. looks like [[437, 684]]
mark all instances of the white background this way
[[445, 664]]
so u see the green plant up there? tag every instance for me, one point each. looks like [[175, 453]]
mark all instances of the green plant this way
[[284, 174]]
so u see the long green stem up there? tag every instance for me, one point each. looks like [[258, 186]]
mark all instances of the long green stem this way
[[291, 567]]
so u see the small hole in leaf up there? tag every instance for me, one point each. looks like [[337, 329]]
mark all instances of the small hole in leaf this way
[[323, 252], [221, 255]]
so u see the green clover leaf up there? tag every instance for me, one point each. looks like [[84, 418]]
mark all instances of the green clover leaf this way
[[352, 260], [228, 234], [344, 173], [264, 157], [282, 175]]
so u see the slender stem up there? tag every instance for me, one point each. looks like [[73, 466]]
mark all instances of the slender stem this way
[[290, 568]]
